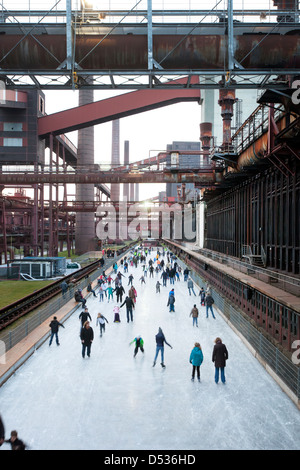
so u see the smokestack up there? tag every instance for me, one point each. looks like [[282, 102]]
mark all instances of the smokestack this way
[[206, 138], [85, 221], [226, 101]]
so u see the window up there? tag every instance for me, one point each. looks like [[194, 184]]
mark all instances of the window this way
[[13, 126], [12, 142]]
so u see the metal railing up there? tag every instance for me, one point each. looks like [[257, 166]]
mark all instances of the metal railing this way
[[254, 127], [285, 282]]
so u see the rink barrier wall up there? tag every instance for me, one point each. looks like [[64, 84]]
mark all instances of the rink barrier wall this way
[[33, 333], [280, 368]]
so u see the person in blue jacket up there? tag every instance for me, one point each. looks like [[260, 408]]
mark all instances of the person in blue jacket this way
[[196, 359]]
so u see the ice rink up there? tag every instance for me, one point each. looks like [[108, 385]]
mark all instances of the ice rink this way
[[113, 401]]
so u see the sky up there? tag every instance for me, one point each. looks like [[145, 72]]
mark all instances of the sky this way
[[148, 133]]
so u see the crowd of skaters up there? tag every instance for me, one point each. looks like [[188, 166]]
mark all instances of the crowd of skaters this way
[[165, 267]]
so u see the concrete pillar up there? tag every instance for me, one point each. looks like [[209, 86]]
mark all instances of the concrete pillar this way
[[115, 158], [85, 221], [131, 193], [126, 162], [137, 196]]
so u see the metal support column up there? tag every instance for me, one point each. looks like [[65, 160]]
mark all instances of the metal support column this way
[[230, 35], [150, 37]]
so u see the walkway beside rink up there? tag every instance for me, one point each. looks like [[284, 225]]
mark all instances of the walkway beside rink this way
[[113, 401]]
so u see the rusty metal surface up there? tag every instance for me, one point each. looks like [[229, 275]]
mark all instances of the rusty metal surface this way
[[129, 52], [204, 177], [114, 108]]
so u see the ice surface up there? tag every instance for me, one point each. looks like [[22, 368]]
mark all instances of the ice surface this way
[[112, 401]]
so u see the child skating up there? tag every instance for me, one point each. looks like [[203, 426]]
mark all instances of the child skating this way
[[139, 344]]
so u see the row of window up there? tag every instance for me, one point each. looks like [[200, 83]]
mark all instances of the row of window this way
[[12, 141]]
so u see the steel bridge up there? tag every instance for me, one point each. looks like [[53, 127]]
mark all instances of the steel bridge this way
[[65, 47]]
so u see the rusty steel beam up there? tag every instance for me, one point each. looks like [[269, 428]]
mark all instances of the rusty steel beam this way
[[204, 177], [114, 108], [205, 51]]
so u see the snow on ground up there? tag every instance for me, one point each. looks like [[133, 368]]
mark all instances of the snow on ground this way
[[112, 401]]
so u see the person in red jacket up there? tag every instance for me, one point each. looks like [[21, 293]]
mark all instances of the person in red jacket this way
[[219, 357]]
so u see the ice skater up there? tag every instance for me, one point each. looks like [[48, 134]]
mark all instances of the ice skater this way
[[110, 292], [86, 336], [101, 295], [209, 303], [142, 279], [119, 292], [160, 340], [54, 325], [219, 357], [129, 308], [190, 285], [15, 442], [84, 316], [171, 301], [139, 344], [158, 284], [196, 359], [132, 293], [195, 313], [101, 319], [202, 296], [2, 431], [116, 311]]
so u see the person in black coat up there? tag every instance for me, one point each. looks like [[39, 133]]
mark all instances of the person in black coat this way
[[90, 289], [119, 290], [79, 297], [219, 357], [2, 431], [84, 316], [86, 336], [129, 306], [15, 442], [54, 325]]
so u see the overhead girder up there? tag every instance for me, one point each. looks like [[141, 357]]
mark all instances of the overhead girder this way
[[116, 107], [206, 51], [205, 177], [117, 56]]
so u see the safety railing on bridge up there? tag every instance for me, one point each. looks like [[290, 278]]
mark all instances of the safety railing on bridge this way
[[254, 127], [103, 167], [164, 11]]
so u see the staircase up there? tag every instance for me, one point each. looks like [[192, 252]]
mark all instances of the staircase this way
[[255, 260]]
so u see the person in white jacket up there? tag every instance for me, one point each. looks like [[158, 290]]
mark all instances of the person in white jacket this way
[[101, 321]]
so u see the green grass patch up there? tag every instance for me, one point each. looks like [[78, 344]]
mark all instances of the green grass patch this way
[[10, 291]]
